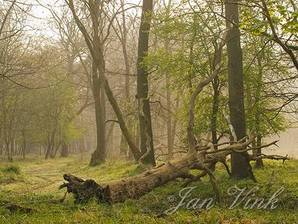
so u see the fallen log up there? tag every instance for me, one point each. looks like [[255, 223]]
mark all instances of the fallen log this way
[[135, 187], [132, 187]]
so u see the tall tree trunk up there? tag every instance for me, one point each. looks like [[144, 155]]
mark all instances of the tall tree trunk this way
[[258, 152], [146, 136], [50, 144], [124, 149], [169, 119], [64, 149], [110, 136], [170, 123], [124, 144], [8, 151], [99, 155], [70, 71], [215, 107], [239, 161], [98, 70], [174, 124], [24, 144]]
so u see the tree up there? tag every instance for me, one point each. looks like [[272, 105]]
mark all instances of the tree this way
[[146, 136], [262, 103], [239, 161], [170, 123], [96, 46], [73, 44], [276, 23], [287, 20], [124, 25]]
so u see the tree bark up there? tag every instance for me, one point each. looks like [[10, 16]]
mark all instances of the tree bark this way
[[50, 144], [258, 152], [99, 155], [64, 149], [146, 135], [124, 148], [215, 108], [170, 137], [130, 188], [239, 161]]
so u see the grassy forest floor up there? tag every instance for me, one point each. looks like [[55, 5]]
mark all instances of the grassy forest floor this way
[[34, 184]]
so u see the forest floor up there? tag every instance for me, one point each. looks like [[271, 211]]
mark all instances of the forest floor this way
[[34, 184]]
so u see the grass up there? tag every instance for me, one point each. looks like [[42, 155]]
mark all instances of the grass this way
[[34, 183]]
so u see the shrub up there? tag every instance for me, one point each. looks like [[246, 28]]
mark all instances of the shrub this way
[[11, 169]]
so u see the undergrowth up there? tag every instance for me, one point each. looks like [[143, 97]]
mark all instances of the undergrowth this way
[[34, 184]]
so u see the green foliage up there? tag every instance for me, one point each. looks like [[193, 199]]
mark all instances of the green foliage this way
[[185, 56], [56, 109], [282, 13], [43, 115], [261, 116], [11, 169]]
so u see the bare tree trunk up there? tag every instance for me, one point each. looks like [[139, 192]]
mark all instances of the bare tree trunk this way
[[99, 155], [215, 108], [8, 151], [64, 149], [24, 144], [110, 136], [146, 135], [169, 119], [70, 70], [50, 144], [240, 161], [258, 152], [56, 149], [98, 71], [174, 123], [124, 148]]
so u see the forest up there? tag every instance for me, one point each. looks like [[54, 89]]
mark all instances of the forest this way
[[149, 111]]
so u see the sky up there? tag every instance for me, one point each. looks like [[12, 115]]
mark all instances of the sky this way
[[40, 14]]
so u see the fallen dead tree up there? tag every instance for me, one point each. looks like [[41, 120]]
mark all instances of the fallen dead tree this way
[[134, 187]]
